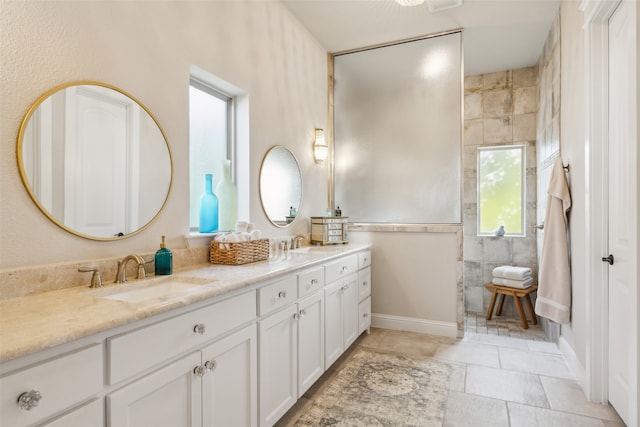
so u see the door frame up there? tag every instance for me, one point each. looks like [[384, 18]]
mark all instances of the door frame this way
[[596, 29]]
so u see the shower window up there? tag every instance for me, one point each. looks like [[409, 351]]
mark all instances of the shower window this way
[[501, 184]]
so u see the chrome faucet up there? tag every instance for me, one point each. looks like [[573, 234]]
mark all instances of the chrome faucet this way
[[295, 242], [121, 274]]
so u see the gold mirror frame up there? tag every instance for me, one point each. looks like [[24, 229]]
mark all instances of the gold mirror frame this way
[[27, 184], [263, 187]]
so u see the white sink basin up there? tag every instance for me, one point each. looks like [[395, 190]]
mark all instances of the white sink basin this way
[[162, 290]]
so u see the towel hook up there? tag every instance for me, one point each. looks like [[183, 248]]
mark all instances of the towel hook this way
[[566, 167]]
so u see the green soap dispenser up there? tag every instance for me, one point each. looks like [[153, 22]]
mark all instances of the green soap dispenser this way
[[164, 260]]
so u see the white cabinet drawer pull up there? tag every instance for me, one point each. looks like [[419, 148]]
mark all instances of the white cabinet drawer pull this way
[[211, 365], [29, 399], [281, 295], [199, 328]]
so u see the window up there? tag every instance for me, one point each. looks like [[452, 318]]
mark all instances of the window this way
[[210, 140], [501, 186]]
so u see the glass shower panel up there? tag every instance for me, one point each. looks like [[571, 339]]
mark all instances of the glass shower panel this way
[[397, 127]]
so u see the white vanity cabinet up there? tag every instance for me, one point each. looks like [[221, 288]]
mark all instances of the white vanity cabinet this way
[[217, 381], [40, 391], [341, 317], [291, 351], [215, 386], [364, 291]]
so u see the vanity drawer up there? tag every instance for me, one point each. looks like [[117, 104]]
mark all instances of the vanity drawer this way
[[338, 269], [364, 283], [61, 383], [310, 281], [277, 294], [364, 259], [364, 315], [144, 348]]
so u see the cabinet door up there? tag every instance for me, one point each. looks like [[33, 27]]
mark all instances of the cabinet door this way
[[169, 397], [350, 310], [310, 341], [229, 387], [333, 322], [278, 363]]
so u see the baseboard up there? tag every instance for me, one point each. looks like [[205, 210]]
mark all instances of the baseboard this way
[[574, 364], [410, 324]]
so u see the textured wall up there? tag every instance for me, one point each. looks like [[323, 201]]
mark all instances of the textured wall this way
[[146, 49], [499, 109]]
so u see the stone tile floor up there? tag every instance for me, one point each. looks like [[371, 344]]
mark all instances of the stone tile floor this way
[[503, 377]]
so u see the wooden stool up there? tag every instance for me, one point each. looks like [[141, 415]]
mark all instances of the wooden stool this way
[[516, 294]]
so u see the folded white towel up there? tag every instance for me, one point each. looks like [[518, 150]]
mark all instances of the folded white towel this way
[[512, 272], [520, 284]]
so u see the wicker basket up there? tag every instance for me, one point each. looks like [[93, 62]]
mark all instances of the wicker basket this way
[[239, 252]]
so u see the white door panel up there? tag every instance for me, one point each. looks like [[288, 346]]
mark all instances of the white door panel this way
[[622, 212]]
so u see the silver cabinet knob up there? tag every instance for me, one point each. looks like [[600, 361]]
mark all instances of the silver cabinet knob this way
[[345, 268], [365, 283], [211, 365], [199, 328], [199, 371], [29, 399], [281, 295], [313, 282], [365, 315]]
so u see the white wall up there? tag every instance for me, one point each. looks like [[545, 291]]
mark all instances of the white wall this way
[[572, 148], [146, 49]]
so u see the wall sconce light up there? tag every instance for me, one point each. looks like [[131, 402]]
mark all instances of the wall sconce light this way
[[320, 148]]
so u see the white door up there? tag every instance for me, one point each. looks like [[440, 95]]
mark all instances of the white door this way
[[97, 141], [310, 341], [229, 388], [169, 397], [623, 215], [278, 365]]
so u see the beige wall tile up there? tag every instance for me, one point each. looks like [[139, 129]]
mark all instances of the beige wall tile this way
[[496, 103], [523, 77], [473, 105], [498, 80], [524, 127], [498, 131], [473, 83], [525, 100], [473, 132]]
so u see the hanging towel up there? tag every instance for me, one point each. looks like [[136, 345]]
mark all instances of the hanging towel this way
[[512, 272], [554, 282], [520, 284]]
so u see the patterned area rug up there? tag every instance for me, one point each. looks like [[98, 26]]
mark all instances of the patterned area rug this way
[[377, 389]]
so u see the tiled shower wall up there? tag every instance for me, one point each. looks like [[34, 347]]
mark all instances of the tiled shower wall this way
[[499, 109], [548, 133]]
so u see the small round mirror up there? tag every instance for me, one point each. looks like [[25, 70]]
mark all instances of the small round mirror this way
[[94, 160], [280, 186]]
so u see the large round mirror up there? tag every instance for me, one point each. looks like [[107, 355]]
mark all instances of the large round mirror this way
[[94, 160], [280, 186]]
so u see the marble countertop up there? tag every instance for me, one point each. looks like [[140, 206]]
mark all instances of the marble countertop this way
[[38, 322]]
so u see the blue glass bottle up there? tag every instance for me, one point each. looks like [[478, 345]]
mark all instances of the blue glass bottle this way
[[208, 207]]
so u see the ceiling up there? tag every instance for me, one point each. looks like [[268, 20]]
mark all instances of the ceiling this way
[[498, 34]]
